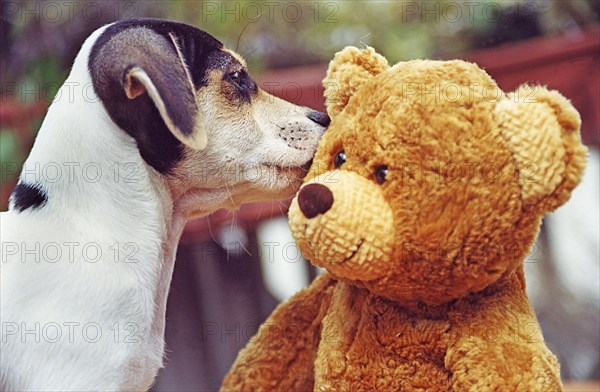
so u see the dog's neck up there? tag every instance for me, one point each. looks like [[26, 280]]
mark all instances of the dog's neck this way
[[100, 189], [92, 173], [101, 174], [107, 194]]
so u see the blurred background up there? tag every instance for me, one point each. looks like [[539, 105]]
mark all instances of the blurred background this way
[[233, 268]]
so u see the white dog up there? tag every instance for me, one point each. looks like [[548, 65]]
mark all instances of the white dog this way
[[157, 123]]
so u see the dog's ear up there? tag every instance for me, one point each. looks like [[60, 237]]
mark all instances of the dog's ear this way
[[141, 73], [172, 91]]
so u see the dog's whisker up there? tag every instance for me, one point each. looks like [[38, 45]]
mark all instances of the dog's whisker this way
[[247, 55], [259, 212], [233, 227], [280, 206], [245, 249], [237, 44], [212, 235], [274, 123], [230, 196]]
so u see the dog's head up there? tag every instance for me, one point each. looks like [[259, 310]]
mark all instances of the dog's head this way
[[197, 116]]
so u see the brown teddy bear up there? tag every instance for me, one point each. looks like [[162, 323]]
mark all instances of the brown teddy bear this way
[[424, 198]]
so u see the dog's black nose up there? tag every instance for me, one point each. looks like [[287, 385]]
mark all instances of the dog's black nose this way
[[320, 118], [314, 199]]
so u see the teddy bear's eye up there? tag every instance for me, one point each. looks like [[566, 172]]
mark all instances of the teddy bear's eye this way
[[381, 173], [339, 159]]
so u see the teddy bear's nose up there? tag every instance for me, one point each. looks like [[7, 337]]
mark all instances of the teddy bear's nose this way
[[314, 199]]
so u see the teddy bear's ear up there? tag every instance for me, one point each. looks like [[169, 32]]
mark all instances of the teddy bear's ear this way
[[348, 70], [542, 128]]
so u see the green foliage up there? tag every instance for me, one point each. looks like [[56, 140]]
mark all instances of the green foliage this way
[[272, 34], [284, 33], [9, 156], [45, 76]]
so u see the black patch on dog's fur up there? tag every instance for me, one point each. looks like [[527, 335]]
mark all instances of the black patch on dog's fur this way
[[139, 117], [27, 196]]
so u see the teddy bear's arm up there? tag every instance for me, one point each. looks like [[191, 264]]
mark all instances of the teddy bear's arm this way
[[501, 347], [281, 355]]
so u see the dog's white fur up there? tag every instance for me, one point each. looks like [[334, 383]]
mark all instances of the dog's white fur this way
[[72, 324]]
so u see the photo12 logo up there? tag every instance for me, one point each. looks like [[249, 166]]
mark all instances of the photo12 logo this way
[[73, 172], [57, 12], [270, 11], [68, 332], [69, 252], [467, 11]]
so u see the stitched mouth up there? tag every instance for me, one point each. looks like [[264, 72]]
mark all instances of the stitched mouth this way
[[353, 253]]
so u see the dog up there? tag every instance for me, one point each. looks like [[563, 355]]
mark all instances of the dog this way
[[156, 124]]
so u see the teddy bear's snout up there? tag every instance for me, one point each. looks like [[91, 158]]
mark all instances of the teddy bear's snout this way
[[314, 200], [353, 237]]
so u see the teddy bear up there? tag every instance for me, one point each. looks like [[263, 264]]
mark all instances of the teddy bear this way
[[424, 198]]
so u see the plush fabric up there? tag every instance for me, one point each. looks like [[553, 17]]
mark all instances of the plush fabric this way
[[423, 229]]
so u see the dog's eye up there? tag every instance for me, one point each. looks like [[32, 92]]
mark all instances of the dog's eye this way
[[236, 77], [381, 173], [339, 159]]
